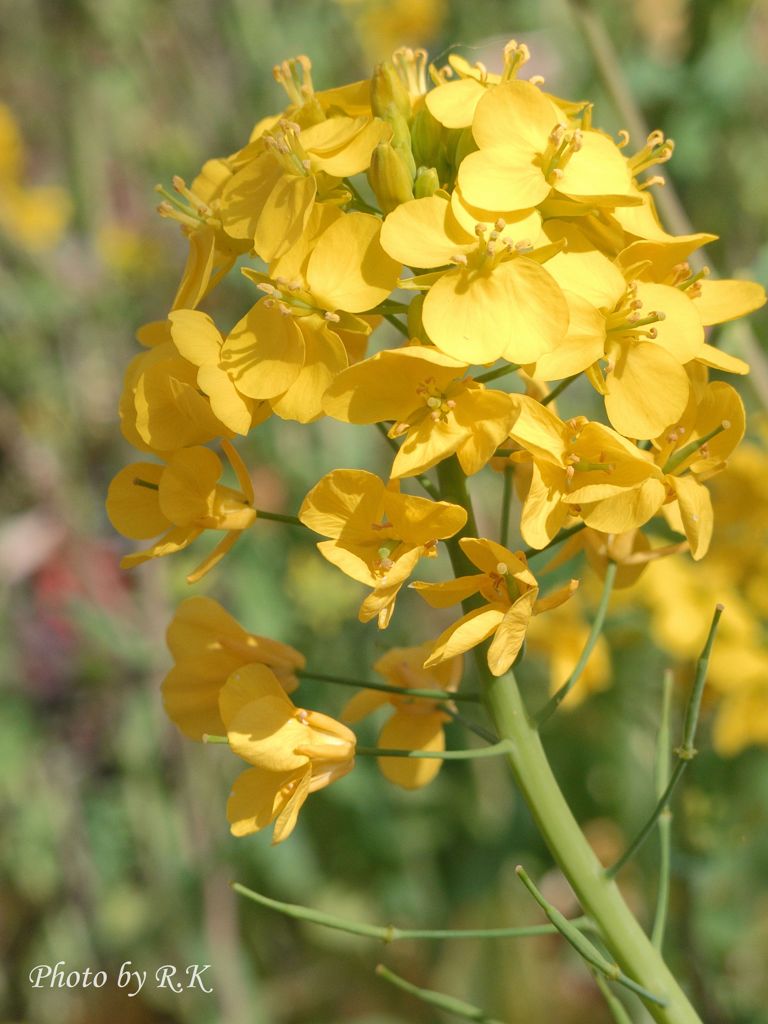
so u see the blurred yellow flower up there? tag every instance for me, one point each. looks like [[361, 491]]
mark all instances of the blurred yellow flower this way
[[208, 645], [417, 722], [34, 217]]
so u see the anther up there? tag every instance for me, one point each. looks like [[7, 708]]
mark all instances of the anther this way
[[500, 224], [623, 138], [459, 258], [332, 318], [502, 568]]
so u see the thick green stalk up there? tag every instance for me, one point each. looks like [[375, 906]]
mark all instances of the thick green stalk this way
[[599, 895]]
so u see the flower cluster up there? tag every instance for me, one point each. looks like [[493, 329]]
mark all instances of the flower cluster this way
[[506, 239]]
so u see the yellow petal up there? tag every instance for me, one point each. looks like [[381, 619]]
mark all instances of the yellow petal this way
[[264, 352], [342, 146], [227, 404], [174, 540], [443, 595], [506, 178], [420, 520], [681, 332], [626, 511], [516, 311], [286, 818], [719, 360], [719, 301], [695, 511], [543, 511], [516, 109], [196, 336], [134, 510], [191, 697], [197, 270], [284, 216], [363, 703], [349, 270], [510, 634], [583, 344], [384, 387], [453, 104], [425, 233], [324, 358], [408, 731], [467, 632], [597, 172], [265, 733], [427, 444], [647, 390], [340, 499], [257, 797], [186, 487], [486, 417]]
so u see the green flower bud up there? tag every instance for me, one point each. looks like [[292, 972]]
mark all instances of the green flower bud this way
[[426, 136], [426, 183], [389, 177], [388, 94]]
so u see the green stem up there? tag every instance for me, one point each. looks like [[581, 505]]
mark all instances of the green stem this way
[[403, 691], [392, 319], [665, 818], [563, 535], [685, 752], [599, 895], [359, 202], [594, 634], [389, 933], [475, 727], [587, 950], [467, 1011], [618, 1012], [501, 371], [470, 754], [278, 517], [553, 394], [506, 503]]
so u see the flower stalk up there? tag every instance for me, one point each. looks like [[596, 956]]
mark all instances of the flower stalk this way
[[597, 892]]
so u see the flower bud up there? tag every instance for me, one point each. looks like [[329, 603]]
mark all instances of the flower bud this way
[[388, 94], [389, 177], [426, 183], [426, 138]]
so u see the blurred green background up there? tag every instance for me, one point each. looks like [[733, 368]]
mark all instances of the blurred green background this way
[[114, 840]]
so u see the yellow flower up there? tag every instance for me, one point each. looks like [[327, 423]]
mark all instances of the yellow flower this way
[[582, 469], [495, 302], [212, 252], [198, 340], [291, 344], [510, 591], [287, 171], [691, 451], [34, 217], [644, 331], [377, 535], [208, 645], [526, 150], [294, 752], [453, 102], [161, 407], [417, 722], [184, 498], [436, 412]]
